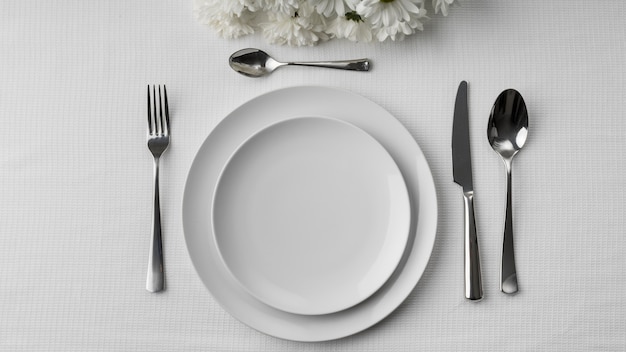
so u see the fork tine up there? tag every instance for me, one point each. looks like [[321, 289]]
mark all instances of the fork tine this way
[[157, 118], [161, 124], [167, 112], [150, 126]]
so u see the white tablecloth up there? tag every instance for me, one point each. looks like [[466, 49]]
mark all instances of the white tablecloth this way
[[75, 173]]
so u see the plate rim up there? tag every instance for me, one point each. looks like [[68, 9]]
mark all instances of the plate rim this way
[[402, 237], [333, 326]]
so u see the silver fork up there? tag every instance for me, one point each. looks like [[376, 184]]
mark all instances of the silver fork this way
[[158, 141]]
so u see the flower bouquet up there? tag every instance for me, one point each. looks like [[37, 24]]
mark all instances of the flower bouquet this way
[[308, 22]]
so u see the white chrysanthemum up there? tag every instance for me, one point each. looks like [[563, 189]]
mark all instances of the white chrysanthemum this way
[[307, 22], [400, 29], [352, 27], [442, 5], [328, 7], [229, 23], [385, 13], [287, 7], [396, 32], [304, 28]]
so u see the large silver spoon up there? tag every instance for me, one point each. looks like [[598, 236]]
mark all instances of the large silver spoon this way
[[257, 63], [507, 130]]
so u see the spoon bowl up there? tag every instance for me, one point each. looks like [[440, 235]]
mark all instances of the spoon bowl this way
[[257, 63], [508, 124], [507, 131], [253, 62]]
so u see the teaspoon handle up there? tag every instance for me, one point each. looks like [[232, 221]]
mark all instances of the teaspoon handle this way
[[473, 280], [508, 274], [352, 65]]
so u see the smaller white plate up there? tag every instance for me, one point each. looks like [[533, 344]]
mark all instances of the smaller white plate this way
[[311, 215]]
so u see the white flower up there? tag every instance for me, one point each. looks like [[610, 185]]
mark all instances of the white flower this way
[[287, 7], [442, 5], [253, 5], [328, 7], [352, 27], [308, 22], [398, 30], [385, 13], [304, 27], [229, 21]]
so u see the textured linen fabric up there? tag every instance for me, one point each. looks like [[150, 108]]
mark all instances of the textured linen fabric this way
[[76, 175]]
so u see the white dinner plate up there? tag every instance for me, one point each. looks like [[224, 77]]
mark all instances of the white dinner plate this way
[[282, 105], [311, 215]]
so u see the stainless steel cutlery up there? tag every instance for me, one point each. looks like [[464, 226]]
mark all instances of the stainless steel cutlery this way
[[158, 137], [257, 63], [462, 170], [506, 131]]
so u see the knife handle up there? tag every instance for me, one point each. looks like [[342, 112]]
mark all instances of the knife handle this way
[[473, 281]]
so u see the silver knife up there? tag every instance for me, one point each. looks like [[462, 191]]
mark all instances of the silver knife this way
[[462, 171]]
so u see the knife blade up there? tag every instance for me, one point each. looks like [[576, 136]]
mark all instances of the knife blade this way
[[462, 172]]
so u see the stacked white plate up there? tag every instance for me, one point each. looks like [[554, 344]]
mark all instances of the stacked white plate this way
[[310, 213]]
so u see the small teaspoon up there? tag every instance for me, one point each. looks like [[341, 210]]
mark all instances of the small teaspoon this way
[[507, 131], [257, 63]]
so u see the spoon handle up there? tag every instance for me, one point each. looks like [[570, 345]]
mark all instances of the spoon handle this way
[[352, 65], [508, 274], [473, 281]]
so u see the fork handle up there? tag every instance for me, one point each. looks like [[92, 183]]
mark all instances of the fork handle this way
[[156, 278]]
